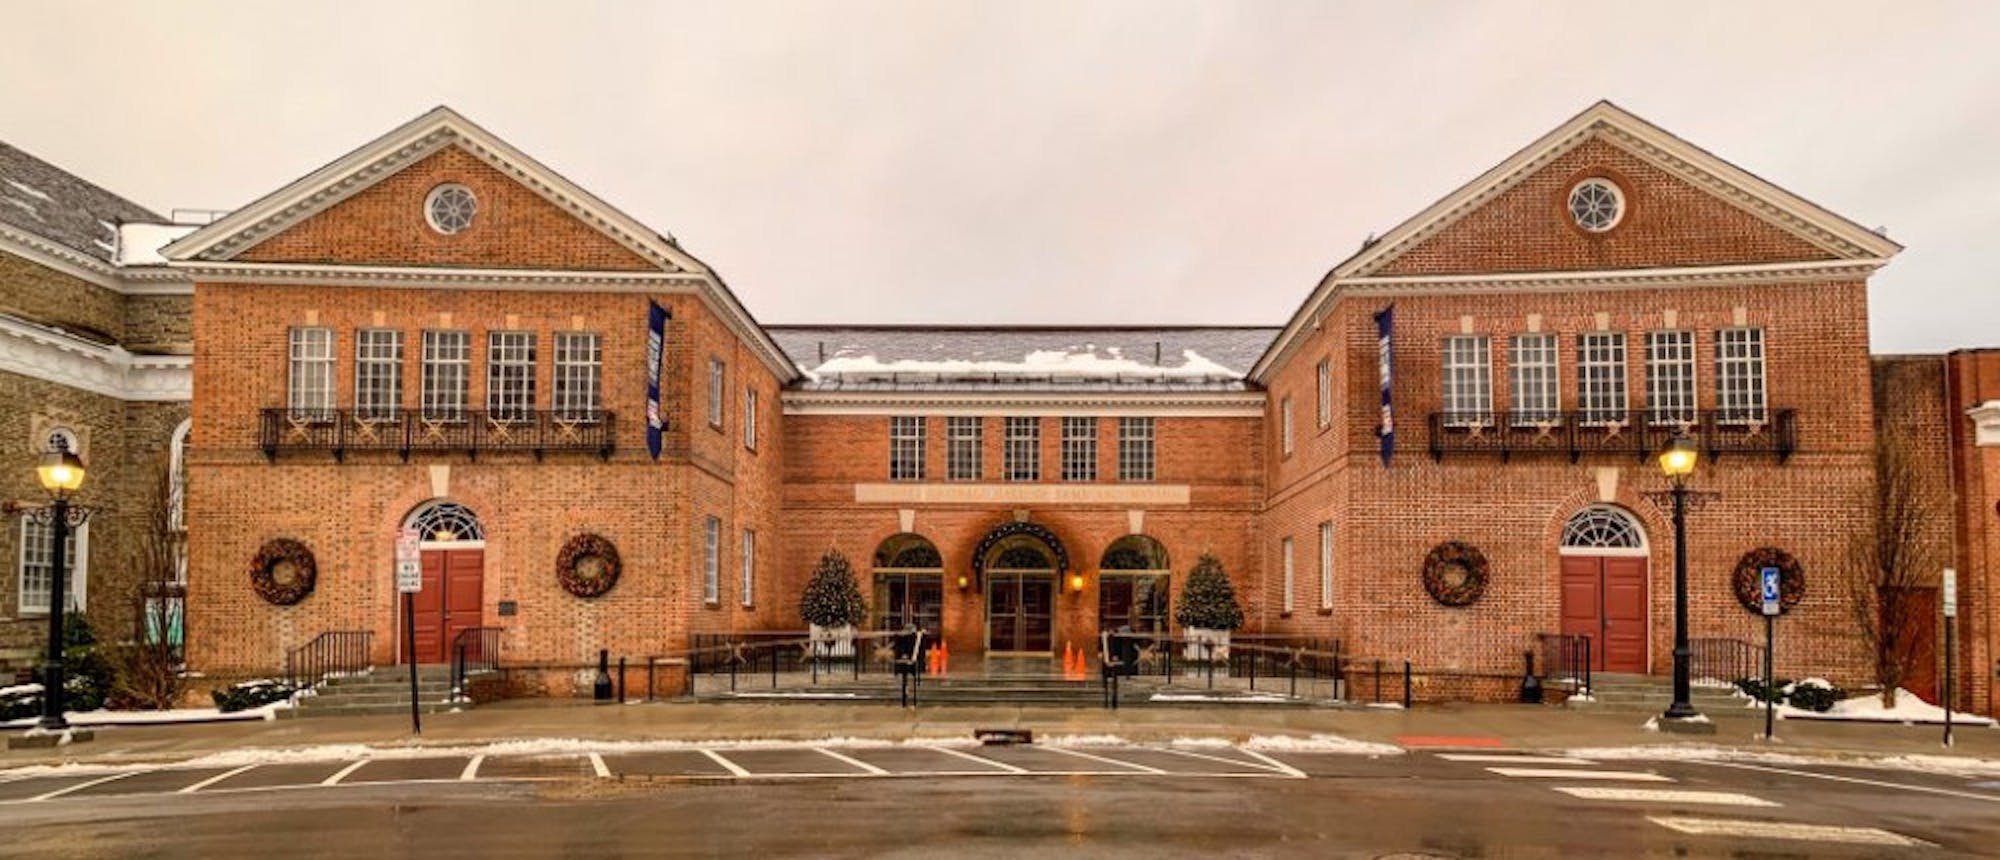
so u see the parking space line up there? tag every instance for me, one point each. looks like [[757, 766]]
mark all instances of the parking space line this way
[[1282, 767], [86, 784], [1219, 759], [471, 771], [597, 766], [342, 773], [1664, 795], [214, 779], [1558, 773], [733, 768], [1107, 760], [1515, 759], [1003, 766], [1855, 779], [853, 761], [1740, 828]]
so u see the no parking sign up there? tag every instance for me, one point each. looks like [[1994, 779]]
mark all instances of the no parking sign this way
[[409, 564]]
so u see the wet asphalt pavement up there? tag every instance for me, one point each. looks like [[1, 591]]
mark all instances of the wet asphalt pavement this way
[[917, 801]]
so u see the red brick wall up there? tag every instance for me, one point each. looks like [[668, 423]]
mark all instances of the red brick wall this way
[[384, 225], [1972, 378]]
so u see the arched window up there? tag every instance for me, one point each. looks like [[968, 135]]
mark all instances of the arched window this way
[[1603, 528], [1020, 552], [177, 477], [441, 522], [908, 551], [1135, 552]]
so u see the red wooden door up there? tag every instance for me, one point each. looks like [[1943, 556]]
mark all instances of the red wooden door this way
[[454, 585], [1604, 597], [1624, 614]]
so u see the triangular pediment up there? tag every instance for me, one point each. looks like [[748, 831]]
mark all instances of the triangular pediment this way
[[1687, 208], [367, 208]]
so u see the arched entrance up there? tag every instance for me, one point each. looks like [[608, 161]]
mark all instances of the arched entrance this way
[[909, 585], [1133, 583], [1604, 578], [454, 555], [1021, 563]]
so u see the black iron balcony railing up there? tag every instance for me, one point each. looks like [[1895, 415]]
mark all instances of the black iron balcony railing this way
[[1639, 433], [341, 431]]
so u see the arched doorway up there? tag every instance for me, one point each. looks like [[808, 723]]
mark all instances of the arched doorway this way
[[1021, 571], [1134, 580], [453, 544], [1604, 593], [909, 585]]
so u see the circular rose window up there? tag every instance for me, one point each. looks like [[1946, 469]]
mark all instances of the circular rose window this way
[[1596, 204], [450, 208]]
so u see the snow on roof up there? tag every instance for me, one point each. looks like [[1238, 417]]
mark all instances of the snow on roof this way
[[140, 244], [59, 206], [879, 358]]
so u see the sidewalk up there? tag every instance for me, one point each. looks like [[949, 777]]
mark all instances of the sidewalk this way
[[1512, 726]]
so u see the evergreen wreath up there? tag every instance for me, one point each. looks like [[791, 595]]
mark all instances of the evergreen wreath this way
[[832, 598], [283, 572], [588, 565], [1208, 601], [1748, 579], [1455, 573]]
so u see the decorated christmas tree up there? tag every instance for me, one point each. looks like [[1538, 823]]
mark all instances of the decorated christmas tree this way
[[1208, 601], [832, 598]]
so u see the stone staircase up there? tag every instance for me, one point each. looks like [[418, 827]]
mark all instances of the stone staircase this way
[[1652, 694], [383, 690]]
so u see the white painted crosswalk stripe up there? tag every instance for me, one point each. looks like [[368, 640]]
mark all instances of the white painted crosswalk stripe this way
[[1571, 773], [1744, 828], [1663, 795], [848, 759], [1513, 759]]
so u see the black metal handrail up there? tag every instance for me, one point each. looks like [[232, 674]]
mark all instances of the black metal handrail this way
[[1268, 659], [1725, 660], [1566, 659], [335, 652], [1639, 433], [342, 431], [474, 649]]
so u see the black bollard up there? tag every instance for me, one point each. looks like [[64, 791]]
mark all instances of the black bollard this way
[[602, 693], [1531, 686]]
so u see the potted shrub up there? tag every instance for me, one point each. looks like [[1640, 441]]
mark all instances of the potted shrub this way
[[1208, 611], [832, 605]]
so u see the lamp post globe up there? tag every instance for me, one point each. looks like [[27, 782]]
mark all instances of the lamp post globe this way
[[61, 473], [1677, 462]]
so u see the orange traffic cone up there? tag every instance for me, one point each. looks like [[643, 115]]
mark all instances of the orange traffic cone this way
[[944, 658]]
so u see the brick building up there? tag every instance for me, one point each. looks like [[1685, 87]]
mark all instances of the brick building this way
[[95, 351], [437, 332]]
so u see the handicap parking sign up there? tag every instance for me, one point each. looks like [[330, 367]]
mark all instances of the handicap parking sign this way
[[1770, 591]]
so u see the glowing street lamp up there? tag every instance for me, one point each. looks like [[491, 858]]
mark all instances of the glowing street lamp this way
[[61, 473], [1678, 462]]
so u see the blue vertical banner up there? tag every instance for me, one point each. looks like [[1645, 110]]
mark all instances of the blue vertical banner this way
[[1385, 346], [656, 341]]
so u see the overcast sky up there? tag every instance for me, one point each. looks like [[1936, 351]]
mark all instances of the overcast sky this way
[[1066, 162]]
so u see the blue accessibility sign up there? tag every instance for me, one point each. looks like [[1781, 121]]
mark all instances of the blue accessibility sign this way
[[1771, 591]]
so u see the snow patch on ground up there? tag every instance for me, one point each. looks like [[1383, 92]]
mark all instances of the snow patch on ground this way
[[1318, 743], [1201, 743], [157, 718], [1938, 764], [1909, 709], [1082, 741], [1257, 698]]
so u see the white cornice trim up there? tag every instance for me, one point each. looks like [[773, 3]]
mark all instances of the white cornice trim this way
[[1612, 279], [1985, 423], [61, 258], [1233, 404], [422, 277], [64, 359]]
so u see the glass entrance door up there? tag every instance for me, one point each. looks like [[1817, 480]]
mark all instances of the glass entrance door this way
[[1135, 600], [911, 598], [1020, 612]]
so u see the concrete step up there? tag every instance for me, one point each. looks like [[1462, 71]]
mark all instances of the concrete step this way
[[378, 709]]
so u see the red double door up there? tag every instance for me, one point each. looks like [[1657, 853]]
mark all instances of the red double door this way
[[454, 581], [1604, 597]]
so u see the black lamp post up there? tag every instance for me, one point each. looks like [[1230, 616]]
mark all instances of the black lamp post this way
[[61, 473], [1678, 461]]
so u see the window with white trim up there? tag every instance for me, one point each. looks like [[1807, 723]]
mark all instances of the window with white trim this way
[[378, 374], [964, 447], [1531, 364], [711, 560], [1324, 378], [1326, 565], [177, 475], [1079, 449], [1670, 377], [1285, 548], [1285, 425], [1468, 381], [717, 373], [1600, 377], [309, 393], [1739, 375], [37, 566], [447, 373], [750, 418], [1023, 449], [749, 567], [579, 376], [510, 375], [906, 448], [1135, 449]]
